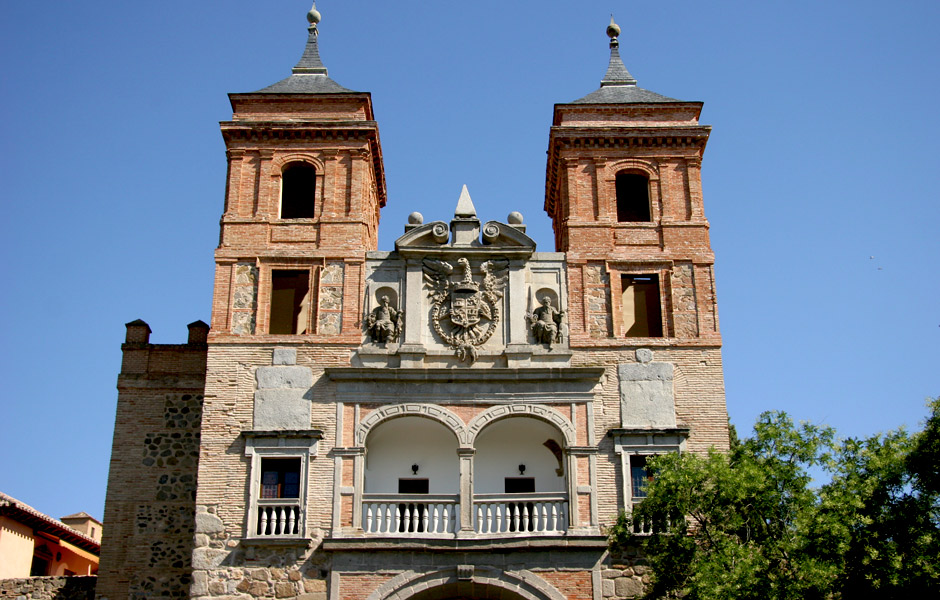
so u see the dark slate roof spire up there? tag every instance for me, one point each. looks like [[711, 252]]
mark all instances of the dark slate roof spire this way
[[309, 74], [618, 85], [310, 62], [617, 73]]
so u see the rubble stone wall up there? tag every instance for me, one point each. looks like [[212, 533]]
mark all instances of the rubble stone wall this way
[[49, 588]]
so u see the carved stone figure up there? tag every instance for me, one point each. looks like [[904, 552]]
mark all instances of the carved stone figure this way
[[545, 322], [385, 322], [464, 315]]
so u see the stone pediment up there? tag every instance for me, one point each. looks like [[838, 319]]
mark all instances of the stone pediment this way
[[465, 233], [437, 236]]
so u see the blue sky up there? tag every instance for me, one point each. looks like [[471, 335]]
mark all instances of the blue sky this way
[[820, 181]]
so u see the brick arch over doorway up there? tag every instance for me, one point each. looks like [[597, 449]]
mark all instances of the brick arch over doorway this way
[[467, 582]]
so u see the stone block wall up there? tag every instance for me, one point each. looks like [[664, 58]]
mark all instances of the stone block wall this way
[[49, 588], [150, 503]]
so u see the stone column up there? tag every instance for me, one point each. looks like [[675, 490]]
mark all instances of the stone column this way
[[466, 489], [574, 519]]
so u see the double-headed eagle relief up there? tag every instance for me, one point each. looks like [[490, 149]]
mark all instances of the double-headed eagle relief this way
[[465, 313]]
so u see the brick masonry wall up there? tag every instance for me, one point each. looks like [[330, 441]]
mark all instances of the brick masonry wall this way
[[150, 504], [49, 588]]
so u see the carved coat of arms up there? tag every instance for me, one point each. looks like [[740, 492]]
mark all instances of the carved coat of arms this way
[[465, 313]]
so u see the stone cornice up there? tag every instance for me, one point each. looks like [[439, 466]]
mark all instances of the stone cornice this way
[[571, 542], [267, 131], [683, 431], [491, 375]]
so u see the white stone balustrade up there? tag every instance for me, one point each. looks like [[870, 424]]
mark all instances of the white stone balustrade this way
[[436, 515], [410, 515], [520, 514], [279, 518]]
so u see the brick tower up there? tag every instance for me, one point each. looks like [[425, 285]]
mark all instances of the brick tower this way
[[624, 193], [623, 190], [305, 184]]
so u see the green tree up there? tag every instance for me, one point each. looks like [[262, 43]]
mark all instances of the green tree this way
[[755, 527]]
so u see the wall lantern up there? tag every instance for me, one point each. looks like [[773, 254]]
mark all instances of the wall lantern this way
[[522, 469], [414, 469]]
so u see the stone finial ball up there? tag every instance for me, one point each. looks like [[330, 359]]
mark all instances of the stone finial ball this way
[[613, 30], [415, 218], [313, 17], [515, 218]]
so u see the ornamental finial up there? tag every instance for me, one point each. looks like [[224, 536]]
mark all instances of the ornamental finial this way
[[313, 16], [613, 30]]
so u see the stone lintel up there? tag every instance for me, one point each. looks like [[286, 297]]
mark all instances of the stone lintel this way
[[285, 433], [303, 542]]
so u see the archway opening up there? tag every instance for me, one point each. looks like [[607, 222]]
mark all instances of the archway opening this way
[[519, 478], [411, 478], [467, 590]]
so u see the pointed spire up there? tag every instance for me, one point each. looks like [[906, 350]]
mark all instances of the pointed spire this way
[[617, 73], [309, 76], [465, 208], [310, 62]]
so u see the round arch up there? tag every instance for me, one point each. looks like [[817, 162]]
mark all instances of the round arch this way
[[538, 411], [430, 411], [467, 581], [279, 161], [636, 165]]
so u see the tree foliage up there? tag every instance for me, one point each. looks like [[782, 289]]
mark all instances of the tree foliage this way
[[755, 526]]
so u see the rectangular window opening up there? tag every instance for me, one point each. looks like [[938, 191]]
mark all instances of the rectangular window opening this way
[[520, 485], [640, 306], [413, 486], [280, 477], [290, 301], [640, 475]]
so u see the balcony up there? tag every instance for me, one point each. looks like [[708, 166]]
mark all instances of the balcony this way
[[410, 515], [279, 518], [438, 515], [520, 514]]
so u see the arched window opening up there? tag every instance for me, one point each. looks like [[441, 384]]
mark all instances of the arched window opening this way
[[633, 198], [298, 188]]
